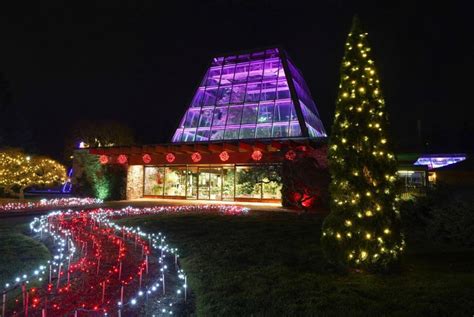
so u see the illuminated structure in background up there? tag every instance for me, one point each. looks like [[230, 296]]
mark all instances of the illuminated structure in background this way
[[251, 112], [439, 160], [418, 171], [257, 95]]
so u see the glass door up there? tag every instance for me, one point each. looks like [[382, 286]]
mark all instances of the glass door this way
[[203, 183], [192, 183], [215, 183]]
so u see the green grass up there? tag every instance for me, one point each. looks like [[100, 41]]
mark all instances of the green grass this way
[[19, 253], [270, 264]]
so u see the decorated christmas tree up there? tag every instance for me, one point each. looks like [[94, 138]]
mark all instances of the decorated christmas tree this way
[[363, 228]]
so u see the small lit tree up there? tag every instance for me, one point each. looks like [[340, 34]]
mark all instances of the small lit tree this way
[[363, 228], [19, 171]]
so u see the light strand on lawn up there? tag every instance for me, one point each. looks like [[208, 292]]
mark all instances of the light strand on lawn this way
[[72, 229]]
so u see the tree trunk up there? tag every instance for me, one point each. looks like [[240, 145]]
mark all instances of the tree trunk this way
[[21, 194]]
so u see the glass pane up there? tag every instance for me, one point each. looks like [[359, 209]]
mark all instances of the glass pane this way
[[293, 116], [227, 75], [206, 118], [175, 181], [264, 131], [283, 90], [215, 183], [280, 131], [223, 95], [177, 136], [214, 76], [210, 97], [228, 175], [256, 71], [253, 93], [271, 70], [202, 135], [189, 135], [238, 94], [265, 113], [234, 116], [203, 185], [249, 114], [154, 181], [231, 133], [247, 133], [192, 181], [246, 187], [241, 73], [220, 116], [192, 118], [295, 129], [282, 112], [217, 134], [197, 100], [272, 190], [281, 73], [268, 91]]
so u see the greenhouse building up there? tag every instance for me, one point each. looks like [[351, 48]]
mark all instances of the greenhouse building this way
[[250, 113]]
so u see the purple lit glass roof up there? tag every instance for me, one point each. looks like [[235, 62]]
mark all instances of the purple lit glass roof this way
[[439, 160], [249, 96]]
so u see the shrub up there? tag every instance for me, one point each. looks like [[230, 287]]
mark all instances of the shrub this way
[[91, 179], [445, 215]]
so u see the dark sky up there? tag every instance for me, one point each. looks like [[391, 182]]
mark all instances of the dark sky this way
[[139, 63]]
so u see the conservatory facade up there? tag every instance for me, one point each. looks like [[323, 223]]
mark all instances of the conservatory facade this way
[[250, 113]]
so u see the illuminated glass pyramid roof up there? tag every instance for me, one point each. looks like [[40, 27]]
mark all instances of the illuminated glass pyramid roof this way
[[258, 95]]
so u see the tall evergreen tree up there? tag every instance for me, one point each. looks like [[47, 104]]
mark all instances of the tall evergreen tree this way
[[363, 228]]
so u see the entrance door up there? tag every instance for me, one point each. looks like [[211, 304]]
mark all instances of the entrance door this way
[[203, 183], [210, 183], [215, 183], [192, 183]]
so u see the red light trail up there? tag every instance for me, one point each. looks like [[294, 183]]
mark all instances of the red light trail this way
[[102, 268]]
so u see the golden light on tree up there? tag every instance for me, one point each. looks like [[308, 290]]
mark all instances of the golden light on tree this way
[[363, 228], [19, 171]]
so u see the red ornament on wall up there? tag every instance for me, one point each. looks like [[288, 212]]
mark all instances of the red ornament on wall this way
[[170, 157], [103, 159], [122, 159], [146, 158], [224, 156], [257, 155], [290, 155], [196, 157]]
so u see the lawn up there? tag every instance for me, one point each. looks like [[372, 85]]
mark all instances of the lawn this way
[[270, 264], [19, 253]]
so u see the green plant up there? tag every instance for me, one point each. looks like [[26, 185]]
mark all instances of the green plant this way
[[363, 228]]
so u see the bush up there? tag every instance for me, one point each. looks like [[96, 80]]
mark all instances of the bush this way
[[117, 179], [445, 215], [92, 179]]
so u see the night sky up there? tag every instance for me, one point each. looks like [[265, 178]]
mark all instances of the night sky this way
[[139, 63]]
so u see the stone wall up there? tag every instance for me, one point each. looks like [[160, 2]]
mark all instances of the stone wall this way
[[135, 182]]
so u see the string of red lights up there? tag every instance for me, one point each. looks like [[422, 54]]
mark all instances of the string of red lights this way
[[102, 268]]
